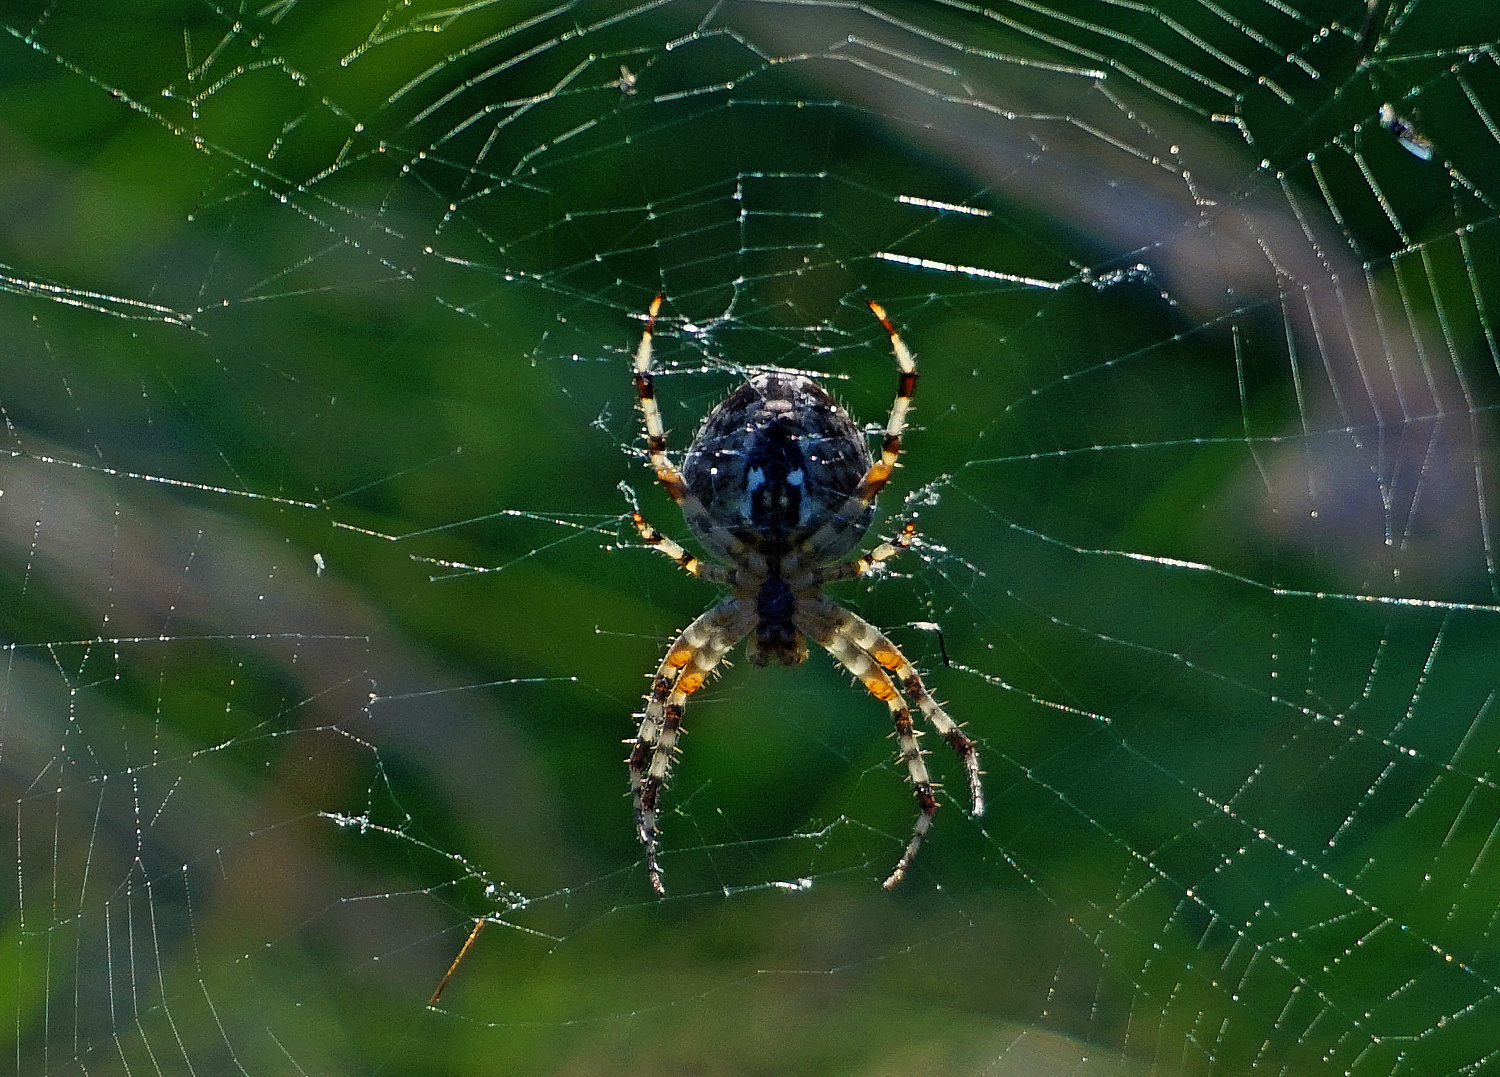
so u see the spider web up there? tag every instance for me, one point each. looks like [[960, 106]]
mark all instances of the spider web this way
[[323, 615]]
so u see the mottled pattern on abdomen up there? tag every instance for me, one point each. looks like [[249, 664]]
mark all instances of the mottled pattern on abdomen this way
[[775, 461]]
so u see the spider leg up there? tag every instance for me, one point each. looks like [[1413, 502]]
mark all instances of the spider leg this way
[[879, 646], [689, 660], [697, 517], [848, 515], [704, 570], [848, 570], [869, 654], [906, 387], [908, 751], [656, 433]]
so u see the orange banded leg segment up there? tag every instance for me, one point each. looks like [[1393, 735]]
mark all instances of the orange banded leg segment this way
[[906, 387], [908, 751], [878, 646], [879, 472], [656, 433], [685, 669], [667, 474]]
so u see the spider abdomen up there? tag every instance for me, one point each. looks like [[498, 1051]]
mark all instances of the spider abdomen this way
[[775, 461]]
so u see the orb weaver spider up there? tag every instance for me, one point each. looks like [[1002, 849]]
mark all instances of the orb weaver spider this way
[[779, 486]]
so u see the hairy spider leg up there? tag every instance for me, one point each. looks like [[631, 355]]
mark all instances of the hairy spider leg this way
[[869, 654], [689, 661], [715, 538], [879, 646], [908, 751], [831, 535], [849, 570], [704, 570]]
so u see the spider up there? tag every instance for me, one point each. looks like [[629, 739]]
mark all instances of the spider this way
[[779, 486]]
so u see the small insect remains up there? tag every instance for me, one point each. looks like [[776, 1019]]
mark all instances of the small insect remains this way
[[1416, 143], [779, 487]]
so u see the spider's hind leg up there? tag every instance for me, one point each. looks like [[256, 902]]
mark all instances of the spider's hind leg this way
[[908, 751], [687, 665], [875, 643], [866, 652]]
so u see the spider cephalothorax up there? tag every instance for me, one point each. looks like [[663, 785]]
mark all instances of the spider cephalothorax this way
[[778, 486]]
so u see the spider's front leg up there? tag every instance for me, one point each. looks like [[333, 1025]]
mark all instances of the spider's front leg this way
[[719, 541], [656, 432], [833, 535], [689, 661]]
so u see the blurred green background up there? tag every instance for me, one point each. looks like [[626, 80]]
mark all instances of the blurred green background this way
[[324, 617]]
